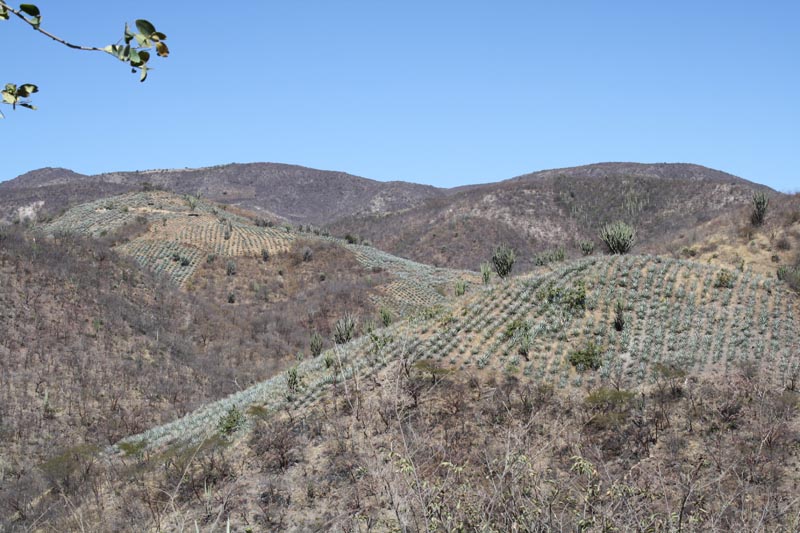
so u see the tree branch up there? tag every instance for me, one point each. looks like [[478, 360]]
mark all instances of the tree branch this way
[[36, 27]]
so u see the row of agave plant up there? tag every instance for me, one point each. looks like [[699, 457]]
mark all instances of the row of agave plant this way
[[172, 259], [532, 327]]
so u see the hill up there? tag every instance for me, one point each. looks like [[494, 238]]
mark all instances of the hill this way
[[176, 236], [132, 310], [543, 212], [536, 213], [529, 402], [295, 193], [731, 239]]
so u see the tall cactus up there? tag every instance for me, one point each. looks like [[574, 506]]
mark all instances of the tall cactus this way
[[760, 203], [618, 236], [503, 260]]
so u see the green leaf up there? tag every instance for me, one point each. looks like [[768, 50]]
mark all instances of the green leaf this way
[[118, 51], [27, 89], [139, 58], [128, 34], [145, 27], [29, 106], [30, 9], [3, 15], [9, 98], [158, 36], [144, 73], [143, 41]]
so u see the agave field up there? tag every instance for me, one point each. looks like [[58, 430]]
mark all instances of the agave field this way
[[231, 238], [416, 286], [107, 215], [172, 259], [359, 357], [679, 315], [182, 232], [675, 316]]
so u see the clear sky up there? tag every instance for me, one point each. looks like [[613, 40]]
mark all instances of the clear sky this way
[[440, 92]]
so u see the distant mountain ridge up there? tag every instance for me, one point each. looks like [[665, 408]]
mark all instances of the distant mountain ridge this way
[[455, 227], [672, 171], [298, 194], [555, 209]]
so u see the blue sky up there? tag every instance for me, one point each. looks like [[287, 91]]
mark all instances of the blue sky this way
[[437, 92]]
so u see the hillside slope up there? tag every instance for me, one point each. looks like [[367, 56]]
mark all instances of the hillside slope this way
[[129, 311], [702, 319], [511, 406], [546, 210], [731, 239], [177, 236]]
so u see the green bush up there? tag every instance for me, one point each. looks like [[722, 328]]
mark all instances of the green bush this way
[[550, 256], [191, 201], [619, 237], [131, 449], [606, 399], [519, 331], [609, 408], [586, 247], [230, 268], [573, 298], [513, 327], [760, 203], [790, 276], [590, 357], [724, 279], [503, 260], [231, 422]]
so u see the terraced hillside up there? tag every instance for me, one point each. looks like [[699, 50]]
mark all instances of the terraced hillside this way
[[701, 320], [183, 232]]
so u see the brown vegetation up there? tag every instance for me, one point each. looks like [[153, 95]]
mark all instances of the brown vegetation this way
[[466, 452], [94, 349], [551, 209]]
